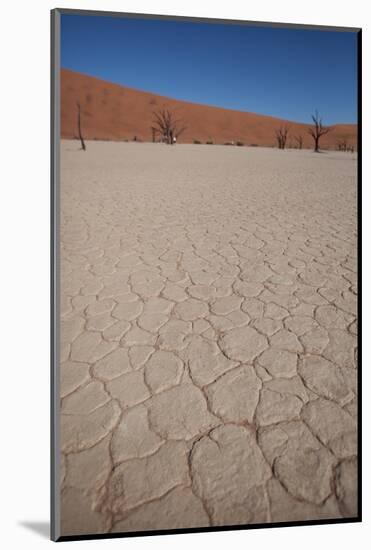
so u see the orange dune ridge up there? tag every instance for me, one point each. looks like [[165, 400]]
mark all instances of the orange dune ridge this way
[[113, 112]]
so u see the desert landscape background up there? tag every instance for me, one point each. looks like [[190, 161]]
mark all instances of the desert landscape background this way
[[113, 112]]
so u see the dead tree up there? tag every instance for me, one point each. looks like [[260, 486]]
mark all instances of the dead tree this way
[[318, 130], [167, 126], [299, 141], [83, 147], [342, 145], [281, 136]]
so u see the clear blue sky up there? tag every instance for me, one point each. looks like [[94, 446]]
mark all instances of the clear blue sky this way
[[286, 73]]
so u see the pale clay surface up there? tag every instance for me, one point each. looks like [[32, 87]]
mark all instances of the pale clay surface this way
[[208, 336]]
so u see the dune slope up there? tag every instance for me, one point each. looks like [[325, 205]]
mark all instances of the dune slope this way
[[113, 112]]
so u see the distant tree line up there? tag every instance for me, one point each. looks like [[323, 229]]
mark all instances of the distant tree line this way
[[316, 132], [167, 129], [344, 146]]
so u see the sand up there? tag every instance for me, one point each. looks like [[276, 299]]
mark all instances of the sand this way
[[113, 112], [208, 336]]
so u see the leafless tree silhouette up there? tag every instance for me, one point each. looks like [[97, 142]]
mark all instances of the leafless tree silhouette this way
[[342, 145], [83, 147], [318, 130], [281, 136], [167, 126], [299, 141]]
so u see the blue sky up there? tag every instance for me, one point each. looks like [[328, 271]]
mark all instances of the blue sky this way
[[286, 73]]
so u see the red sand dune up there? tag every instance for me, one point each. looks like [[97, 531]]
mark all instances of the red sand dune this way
[[113, 112]]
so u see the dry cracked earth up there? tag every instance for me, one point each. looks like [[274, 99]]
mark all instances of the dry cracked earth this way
[[208, 336]]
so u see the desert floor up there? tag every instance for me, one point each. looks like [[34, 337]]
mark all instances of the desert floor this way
[[208, 336]]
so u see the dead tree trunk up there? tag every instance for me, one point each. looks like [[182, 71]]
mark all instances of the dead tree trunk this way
[[299, 141], [83, 147], [167, 126], [281, 136], [317, 131], [343, 145]]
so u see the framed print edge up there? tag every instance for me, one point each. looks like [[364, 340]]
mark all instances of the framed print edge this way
[[359, 270], [54, 283], [55, 279], [209, 20]]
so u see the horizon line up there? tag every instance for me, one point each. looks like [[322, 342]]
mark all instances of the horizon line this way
[[201, 103]]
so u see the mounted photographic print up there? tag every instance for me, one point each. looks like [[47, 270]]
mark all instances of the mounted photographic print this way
[[205, 205]]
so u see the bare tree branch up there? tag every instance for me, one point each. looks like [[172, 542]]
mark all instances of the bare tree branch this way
[[342, 145], [167, 126], [299, 140], [281, 136], [318, 130]]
